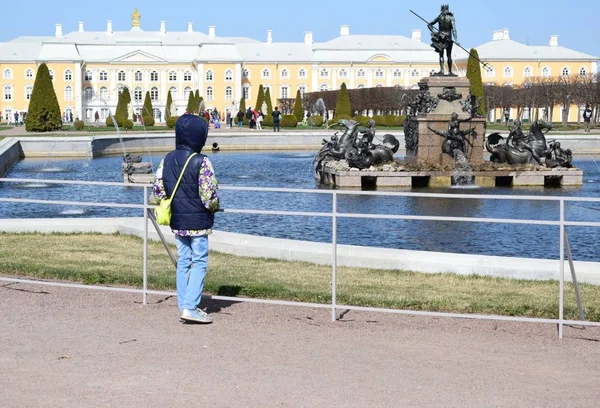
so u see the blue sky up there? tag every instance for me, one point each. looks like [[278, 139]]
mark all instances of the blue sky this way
[[527, 20]]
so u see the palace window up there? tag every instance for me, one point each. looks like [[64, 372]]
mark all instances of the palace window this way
[[68, 75], [8, 92], [546, 72], [508, 72], [186, 93], [284, 92], [229, 75], [324, 73], [7, 74], [490, 71], [172, 76], [566, 72], [361, 73], [103, 76], [68, 93], [285, 73], [173, 91], [121, 76], [246, 73], [379, 73], [266, 73], [104, 113], [397, 86], [431, 72], [104, 93], [156, 114], [88, 76], [51, 72], [29, 74], [246, 92], [527, 72], [154, 76], [88, 93], [302, 90], [582, 72], [187, 76], [397, 73], [301, 73], [324, 87], [415, 73], [28, 92], [209, 93], [154, 93], [137, 94], [138, 76], [229, 93], [343, 73], [209, 76], [379, 86], [360, 86]]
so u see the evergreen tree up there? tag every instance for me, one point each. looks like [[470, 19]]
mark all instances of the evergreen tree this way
[[260, 98], [147, 110], [474, 76], [298, 109], [243, 109], [190, 105], [43, 114], [342, 106], [197, 101], [126, 102], [168, 106], [269, 103]]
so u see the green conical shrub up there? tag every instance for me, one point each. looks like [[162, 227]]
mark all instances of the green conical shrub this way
[[43, 114], [148, 112], [168, 106], [269, 103], [298, 109], [190, 105], [474, 76], [126, 102], [342, 106], [197, 101], [260, 98], [243, 109]]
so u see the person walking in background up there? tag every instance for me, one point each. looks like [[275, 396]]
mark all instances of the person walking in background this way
[[276, 117], [249, 116], [16, 115], [228, 120], [587, 117], [240, 119], [259, 119], [96, 116], [193, 207], [71, 117]]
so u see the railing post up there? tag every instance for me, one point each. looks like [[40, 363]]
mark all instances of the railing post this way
[[561, 307], [334, 258], [145, 284]]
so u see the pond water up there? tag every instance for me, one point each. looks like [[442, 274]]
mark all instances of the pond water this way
[[294, 170]]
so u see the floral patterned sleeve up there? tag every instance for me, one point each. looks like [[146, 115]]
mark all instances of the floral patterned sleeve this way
[[158, 189], [208, 186]]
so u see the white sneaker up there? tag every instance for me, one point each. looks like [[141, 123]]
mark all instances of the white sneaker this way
[[195, 316]]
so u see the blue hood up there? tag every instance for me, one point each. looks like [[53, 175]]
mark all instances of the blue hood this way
[[191, 132]]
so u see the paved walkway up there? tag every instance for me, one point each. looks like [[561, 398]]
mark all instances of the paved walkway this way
[[75, 347]]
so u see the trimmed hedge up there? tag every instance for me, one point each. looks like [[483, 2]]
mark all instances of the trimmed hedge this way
[[395, 120], [289, 121], [79, 124], [342, 106], [362, 120], [474, 76], [44, 111], [268, 121], [172, 121], [315, 121]]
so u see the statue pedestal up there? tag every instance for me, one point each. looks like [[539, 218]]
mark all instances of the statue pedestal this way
[[424, 146]]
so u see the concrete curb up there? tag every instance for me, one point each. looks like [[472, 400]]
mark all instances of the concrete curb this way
[[320, 253]]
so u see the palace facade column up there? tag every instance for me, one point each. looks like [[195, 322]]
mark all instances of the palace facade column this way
[[237, 83], [315, 78], [78, 90]]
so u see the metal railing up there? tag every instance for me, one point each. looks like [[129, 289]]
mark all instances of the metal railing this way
[[146, 208]]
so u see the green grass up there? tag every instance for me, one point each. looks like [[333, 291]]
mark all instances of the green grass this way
[[117, 260], [5, 127]]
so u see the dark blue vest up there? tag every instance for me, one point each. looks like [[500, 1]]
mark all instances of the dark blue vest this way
[[188, 212]]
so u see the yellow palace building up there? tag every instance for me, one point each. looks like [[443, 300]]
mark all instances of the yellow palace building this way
[[89, 68]]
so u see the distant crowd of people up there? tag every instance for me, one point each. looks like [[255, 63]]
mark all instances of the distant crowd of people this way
[[255, 118]]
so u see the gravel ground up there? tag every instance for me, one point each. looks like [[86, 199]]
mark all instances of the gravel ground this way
[[64, 347]]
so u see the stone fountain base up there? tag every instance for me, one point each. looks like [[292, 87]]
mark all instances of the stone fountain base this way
[[337, 175]]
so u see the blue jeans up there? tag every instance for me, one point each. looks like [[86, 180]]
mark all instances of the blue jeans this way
[[192, 262]]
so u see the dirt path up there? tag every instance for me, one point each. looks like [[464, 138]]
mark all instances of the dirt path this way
[[81, 348]]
